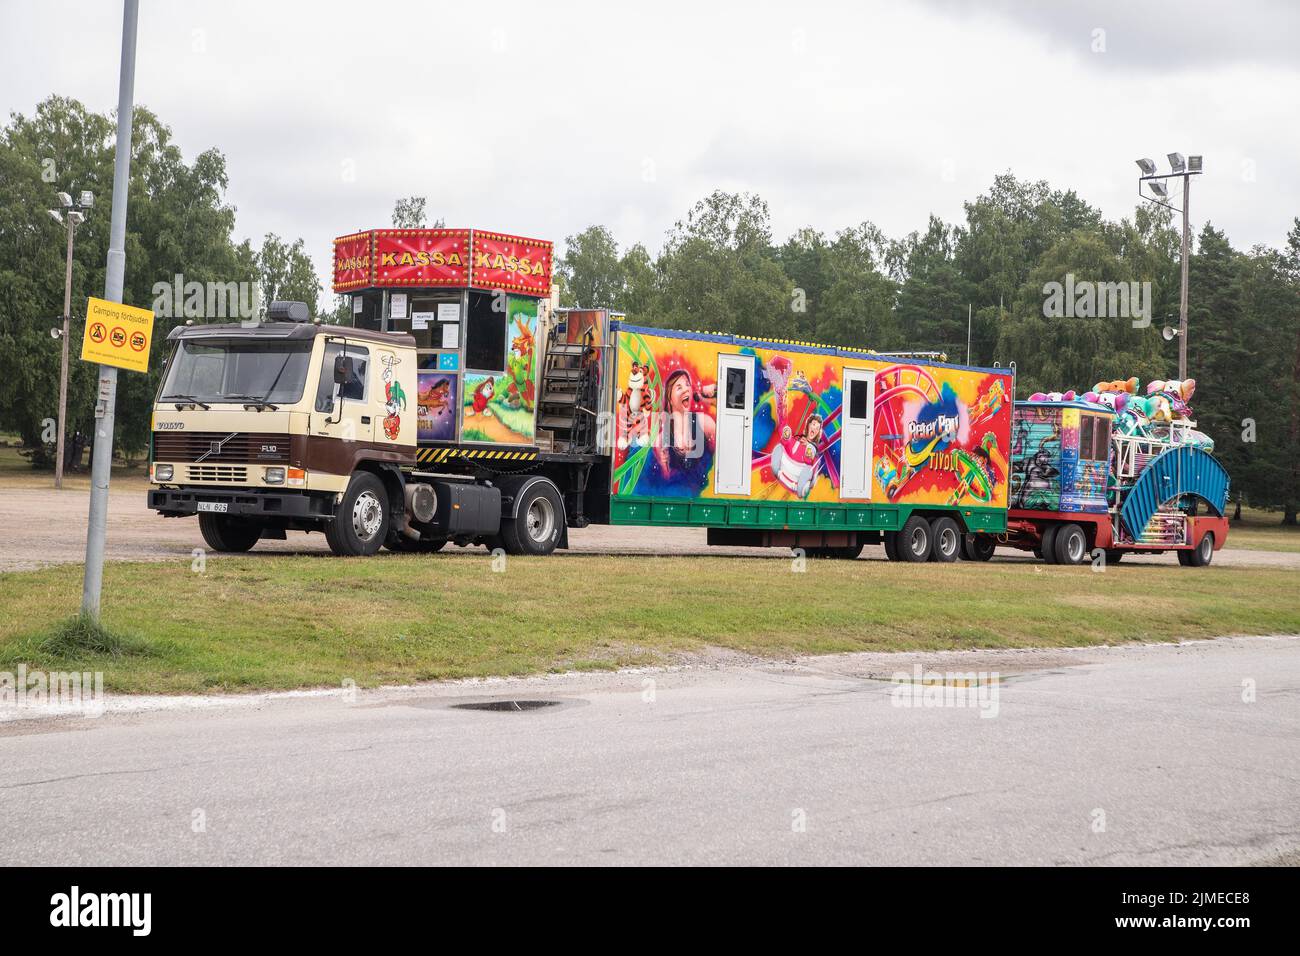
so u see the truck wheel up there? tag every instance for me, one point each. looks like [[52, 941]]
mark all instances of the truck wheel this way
[[1114, 556], [1202, 554], [978, 547], [1071, 545], [947, 540], [915, 540], [538, 521], [228, 534], [1047, 544], [360, 522], [891, 545]]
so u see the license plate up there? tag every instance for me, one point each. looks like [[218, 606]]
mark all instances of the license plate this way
[[218, 506]]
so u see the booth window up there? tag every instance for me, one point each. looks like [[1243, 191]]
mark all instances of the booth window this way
[[485, 334]]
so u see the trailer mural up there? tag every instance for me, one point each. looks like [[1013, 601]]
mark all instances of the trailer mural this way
[[436, 405], [936, 434], [501, 408]]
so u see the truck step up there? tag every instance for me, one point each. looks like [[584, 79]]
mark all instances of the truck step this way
[[552, 422], [559, 398]]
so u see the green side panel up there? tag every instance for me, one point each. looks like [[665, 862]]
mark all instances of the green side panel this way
[[725, 513]]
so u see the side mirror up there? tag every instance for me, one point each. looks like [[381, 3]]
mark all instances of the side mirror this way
[[342, 369]]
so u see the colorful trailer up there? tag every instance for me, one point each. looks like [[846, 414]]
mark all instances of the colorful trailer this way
[[1088, 480]]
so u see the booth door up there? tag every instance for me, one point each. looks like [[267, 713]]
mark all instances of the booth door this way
[[855, 433], [735, 424]]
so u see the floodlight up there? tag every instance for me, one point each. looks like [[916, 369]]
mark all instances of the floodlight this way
[[1176, 162], [65, 199], [1160, 190], [1193, 164], [88, 198], [56, 216], [75, 217], [1147, 166]]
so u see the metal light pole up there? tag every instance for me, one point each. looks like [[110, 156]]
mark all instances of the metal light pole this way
[[102, 461], [75, 214], [1184, 170]]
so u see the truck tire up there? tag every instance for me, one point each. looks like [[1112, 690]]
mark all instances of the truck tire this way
[[978, 547], [891, 545], [223, 533], [946, 536], [360, 522], [915, 541], [1114, 556], [1201, 555], [1071, 544], [1047, 544], [538, 522]]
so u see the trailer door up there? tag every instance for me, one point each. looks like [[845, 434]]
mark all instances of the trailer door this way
[[735, 424], [855, 433]]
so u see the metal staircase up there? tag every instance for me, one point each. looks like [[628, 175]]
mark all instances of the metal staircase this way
[[568, 396]]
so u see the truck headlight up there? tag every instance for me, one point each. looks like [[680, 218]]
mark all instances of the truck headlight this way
[[275, 476], [163, 472]]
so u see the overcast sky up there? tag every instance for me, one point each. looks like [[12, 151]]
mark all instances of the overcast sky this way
[[541, 119]]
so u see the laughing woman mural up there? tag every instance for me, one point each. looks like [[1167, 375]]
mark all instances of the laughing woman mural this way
[[683, 457]]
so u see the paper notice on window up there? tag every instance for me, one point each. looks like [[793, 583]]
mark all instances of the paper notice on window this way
[[421, 320], [398, 302], [357, 303], [450, 335], [448, 311]]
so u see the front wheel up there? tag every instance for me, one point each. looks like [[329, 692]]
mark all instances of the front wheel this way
[[223, 533], [360, 522], [538, 522]]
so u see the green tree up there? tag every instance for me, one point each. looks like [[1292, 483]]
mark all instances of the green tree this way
[[592, 270], [285, 272], [408, 213]]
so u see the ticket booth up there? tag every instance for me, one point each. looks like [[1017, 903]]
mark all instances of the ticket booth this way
[[476, 303]]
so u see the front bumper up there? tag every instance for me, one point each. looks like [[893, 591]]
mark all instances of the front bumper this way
[[247, 502]]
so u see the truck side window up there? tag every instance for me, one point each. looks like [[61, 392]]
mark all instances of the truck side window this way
[[354, 389]]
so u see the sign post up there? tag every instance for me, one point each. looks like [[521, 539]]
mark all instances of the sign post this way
[[105, 405]]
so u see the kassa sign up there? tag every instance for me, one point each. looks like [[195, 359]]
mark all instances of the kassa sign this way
[[442, 258]]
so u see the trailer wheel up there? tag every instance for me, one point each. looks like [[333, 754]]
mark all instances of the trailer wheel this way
[[360, 522], [978, 547], [1047, 544], [223, 533], [891, 545], [1201, 555], [538, 522], [915, 540], [947, 540], [1071, 545]]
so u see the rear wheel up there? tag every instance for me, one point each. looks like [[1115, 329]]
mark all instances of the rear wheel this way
[[223, 533], [947, 540], [360, 522], [977, 547], [891, 545], [538, 521], [1114, 556], [915, 540], [1203, 553], [1047, 546], [1071, 544]]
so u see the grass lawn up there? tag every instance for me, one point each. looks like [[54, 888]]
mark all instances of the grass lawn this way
[[1263, 531], [300, 621]]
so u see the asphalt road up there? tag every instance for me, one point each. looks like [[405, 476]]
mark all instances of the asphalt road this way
[[1135, 755], [44, 527]]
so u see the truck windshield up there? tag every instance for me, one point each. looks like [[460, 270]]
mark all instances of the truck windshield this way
[[272, 372]]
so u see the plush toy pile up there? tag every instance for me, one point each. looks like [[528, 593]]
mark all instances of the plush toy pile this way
[[1144, 416]]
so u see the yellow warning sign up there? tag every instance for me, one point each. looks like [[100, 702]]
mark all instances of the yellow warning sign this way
[[117, 334]]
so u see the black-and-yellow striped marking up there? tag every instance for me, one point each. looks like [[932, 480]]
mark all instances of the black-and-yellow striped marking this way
[[427, 456]]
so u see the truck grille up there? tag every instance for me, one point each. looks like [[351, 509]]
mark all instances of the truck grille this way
[[260, 447], [207, 472]]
